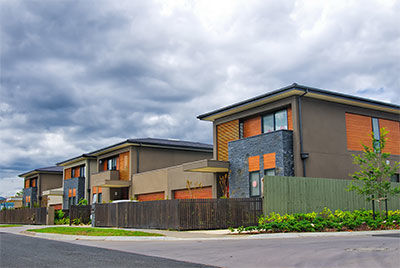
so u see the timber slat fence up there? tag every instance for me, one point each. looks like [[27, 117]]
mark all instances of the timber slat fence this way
[[82, 213], [189, 214], [24, 216]]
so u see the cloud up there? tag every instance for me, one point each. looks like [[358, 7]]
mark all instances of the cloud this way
[[79, 75]]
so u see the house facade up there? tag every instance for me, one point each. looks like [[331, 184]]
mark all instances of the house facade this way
[[118, 167], [143, 169], [77, 173], [297, 131], [38, 180]]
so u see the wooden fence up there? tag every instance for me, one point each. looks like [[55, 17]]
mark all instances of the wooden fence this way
[[81, 213], [189, 214], [24, 216], [302, 195]]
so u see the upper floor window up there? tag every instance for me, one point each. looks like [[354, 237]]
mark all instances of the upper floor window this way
[[275, 121], [73, 173], [112, 164], [82, 171]]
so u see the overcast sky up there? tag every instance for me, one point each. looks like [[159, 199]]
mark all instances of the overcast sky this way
[[80, 75]]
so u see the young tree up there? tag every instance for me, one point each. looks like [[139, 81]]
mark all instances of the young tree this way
[[373, 178]]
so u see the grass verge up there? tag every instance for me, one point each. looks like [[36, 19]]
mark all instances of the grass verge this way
[[10, 225], [91, 231]]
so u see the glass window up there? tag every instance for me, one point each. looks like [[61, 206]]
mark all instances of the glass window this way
[[395, 178], [269, 172], [281, 120], [375, 128], [268, 123], [99, 198], [255, 188], [82, 171], [94, 198], [73, 173]]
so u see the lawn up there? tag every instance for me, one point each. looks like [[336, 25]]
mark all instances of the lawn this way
[[91, 231], [10, 225]]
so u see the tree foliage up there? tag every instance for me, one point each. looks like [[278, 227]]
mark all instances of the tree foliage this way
[[375, 170]]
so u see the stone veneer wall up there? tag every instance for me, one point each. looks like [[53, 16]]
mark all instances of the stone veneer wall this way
[[79, 184], [32, 192], [278, 142]]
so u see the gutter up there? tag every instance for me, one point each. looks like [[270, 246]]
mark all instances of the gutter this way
[[303, 155]]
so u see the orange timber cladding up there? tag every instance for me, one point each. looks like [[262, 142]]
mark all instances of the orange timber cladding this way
[[229, 131]]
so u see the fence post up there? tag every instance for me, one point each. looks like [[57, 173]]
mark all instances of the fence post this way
[[93, 215], [373, 207], [387, 216], [50, 216]]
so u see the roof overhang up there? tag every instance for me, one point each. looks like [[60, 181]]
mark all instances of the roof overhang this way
[[115, 184], [297, 90], [75, 160], [37, 172], [207, 165]]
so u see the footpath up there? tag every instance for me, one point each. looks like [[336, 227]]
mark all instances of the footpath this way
[[188, 235]]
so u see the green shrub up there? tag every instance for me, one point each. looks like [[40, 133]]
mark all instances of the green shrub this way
[[326, 220]]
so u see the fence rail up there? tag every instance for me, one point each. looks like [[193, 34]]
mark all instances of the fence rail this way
[[190, 214], [24, 216]]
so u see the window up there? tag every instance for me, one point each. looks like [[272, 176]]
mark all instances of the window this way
[[82, 171], [255, 188], [269, 172], [375, 130], [395, 178], [73, 173], [99, 198], [275, 121], [112, 163], [94, 198]]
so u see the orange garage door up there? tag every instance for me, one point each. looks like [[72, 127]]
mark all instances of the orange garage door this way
[[200, 193], [150, 196]]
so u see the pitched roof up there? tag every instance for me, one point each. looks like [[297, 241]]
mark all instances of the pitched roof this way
[[150, 142], [293, 90], [52, 169]]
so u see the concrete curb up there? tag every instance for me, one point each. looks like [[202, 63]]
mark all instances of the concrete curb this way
[[226, 237]]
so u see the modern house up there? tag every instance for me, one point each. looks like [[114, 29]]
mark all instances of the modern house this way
[[77, 173], [296, 131], [143, 169], [38, 180]]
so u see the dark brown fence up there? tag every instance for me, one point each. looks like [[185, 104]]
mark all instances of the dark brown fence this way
[[81, 213], [190, 214], [24, 216]]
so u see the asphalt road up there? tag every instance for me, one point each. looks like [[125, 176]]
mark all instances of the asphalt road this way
[[350, 251], [23, 251]]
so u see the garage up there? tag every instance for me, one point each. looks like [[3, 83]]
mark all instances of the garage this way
[[151, 196], [196, 193]]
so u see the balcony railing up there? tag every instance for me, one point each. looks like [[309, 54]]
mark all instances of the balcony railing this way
[[109, 178]]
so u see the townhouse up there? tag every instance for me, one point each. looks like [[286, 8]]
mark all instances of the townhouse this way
[[295, 131], [142, 169], [38, 180]]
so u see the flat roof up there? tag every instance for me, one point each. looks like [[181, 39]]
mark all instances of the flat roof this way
[[296, 89], [52, 169]]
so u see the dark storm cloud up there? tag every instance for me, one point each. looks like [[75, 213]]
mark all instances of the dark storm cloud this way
[[79, 75]]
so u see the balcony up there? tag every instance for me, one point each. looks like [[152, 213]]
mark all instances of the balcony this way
[[109, 178]]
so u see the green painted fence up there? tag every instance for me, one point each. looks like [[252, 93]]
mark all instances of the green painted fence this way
[[302, 195]]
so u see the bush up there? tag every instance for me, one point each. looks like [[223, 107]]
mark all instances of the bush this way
[[325, 220]]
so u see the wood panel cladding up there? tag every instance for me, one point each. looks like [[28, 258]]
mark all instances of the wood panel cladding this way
[[96, 189], [123, 166], [67, 173], [393, 137], [269, 161], [150, 196], [254, 163], [196, 193], [252, 127], [290, 118], [27, 183], [358, 131], [226, 132]]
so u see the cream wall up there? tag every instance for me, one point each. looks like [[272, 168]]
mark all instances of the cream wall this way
[[170, 179]]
